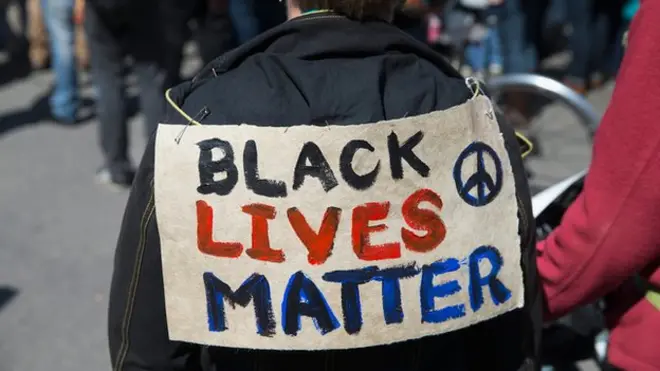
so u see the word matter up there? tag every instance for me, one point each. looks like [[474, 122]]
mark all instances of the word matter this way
[[302, 297]]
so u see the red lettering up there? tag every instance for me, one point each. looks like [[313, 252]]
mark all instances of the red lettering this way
[[260, 249], [319, 245], [423, 220], [362, 247], [205, 242]]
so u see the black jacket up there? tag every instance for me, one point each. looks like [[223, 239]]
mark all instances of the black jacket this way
[[316, 68]]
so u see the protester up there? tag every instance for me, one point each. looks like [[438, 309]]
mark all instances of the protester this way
[[609, 238], [337, 64], [117, 29]]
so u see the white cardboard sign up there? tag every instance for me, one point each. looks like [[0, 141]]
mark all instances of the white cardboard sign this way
[[333, 237]]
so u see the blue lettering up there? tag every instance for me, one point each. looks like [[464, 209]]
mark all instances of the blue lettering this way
[[350, 294], [392, 290], [498, 291], [428, 292], [255, 287], [303, 298]]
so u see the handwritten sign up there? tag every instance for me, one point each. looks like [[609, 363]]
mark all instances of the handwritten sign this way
[[331, 237]]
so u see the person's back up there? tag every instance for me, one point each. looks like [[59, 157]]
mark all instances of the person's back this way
[[323, 71]]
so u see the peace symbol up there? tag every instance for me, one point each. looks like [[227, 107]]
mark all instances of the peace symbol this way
[[487, 188]]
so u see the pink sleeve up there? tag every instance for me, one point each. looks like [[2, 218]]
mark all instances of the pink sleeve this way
[[612, 231]]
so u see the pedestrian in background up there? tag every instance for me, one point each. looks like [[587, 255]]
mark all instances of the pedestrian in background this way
[[592, 42], [117, 29], [38, 39], [483, 50]]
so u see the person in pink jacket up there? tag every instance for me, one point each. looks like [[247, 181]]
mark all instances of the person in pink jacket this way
[[609, 239]]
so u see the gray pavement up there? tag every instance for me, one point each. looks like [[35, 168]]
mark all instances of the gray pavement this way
[[58, 228]]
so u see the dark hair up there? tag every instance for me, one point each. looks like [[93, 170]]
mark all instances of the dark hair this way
[[357, 9]]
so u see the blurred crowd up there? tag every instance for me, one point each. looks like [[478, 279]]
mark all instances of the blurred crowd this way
[[489, 37], [482, 38]]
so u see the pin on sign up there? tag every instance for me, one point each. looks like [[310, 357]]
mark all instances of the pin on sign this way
[[192, 121]]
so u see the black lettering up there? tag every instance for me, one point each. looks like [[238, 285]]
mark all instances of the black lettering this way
[[255, 289], [262, 187], [359, 182], [208, 168], [318, 168], [405, 152]]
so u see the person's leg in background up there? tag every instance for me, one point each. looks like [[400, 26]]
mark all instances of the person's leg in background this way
[[518, 49], [106, 62], [494, 57], [215, 34], [605, 58], [244, 19], [475, 53], [58, 17], [82, 50], [145, 46], [151, 82], [556, 13], [456, 24], [175, 17], [4, 26], [13, 28], [37, 35], [580, 43], [518, 25], [474, 57], [271, 13], [252, 17]]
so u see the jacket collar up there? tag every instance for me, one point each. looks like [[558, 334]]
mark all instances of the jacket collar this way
[[317, 36]]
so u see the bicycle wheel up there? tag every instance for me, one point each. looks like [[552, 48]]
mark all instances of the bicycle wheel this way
[[560, 123]]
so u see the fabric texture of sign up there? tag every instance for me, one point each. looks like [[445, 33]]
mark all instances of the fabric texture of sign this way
[[334, 237]]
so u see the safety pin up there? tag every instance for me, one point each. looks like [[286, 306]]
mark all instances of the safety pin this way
[[201, 115]]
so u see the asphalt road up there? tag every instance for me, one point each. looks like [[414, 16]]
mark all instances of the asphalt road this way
[[58, 228]]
